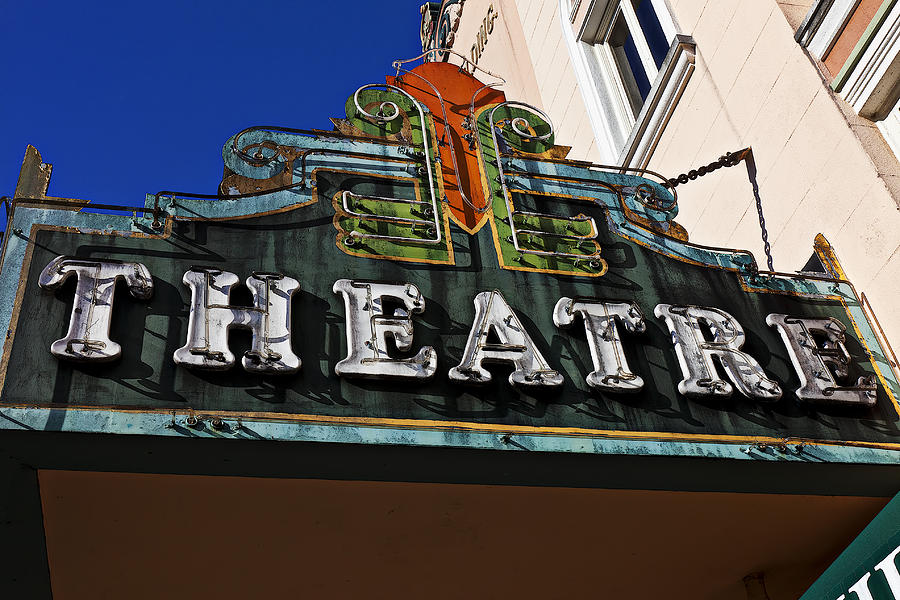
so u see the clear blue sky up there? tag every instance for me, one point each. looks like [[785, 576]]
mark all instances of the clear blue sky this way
[[128, 98]]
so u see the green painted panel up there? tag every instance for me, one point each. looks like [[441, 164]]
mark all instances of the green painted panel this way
[[299, 243], [584, 232]]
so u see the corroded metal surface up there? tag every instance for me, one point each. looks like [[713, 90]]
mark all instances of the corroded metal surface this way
[[497, 241]]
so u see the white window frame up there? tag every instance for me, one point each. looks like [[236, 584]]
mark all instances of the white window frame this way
[[823, 24], [573, 9], [621, 136], [872, 86], [605, 52], [890, 129], [659, 106]]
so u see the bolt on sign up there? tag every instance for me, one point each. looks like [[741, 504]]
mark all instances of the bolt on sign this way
[[434, 266]]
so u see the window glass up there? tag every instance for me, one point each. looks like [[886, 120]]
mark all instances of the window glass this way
[[634, 61], [653, 31], [629, 49], [628, 61]]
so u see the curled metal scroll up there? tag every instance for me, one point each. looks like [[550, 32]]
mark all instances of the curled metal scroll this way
[[448, 138], [381, 118], [646, 195], [395, 112], [258, 159], [516, 122], [470, 120], [515, 125]]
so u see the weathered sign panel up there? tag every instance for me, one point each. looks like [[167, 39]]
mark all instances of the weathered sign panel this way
[[434, 264]]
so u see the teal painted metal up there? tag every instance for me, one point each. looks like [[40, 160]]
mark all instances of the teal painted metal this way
[[298, 231], [176, 426]]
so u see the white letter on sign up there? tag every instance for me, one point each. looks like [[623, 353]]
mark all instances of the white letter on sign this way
[[514, 345], [611, 372], [695, 354], [88, 336], [211, 317], [888, 566], [368, 327], [812, 360]]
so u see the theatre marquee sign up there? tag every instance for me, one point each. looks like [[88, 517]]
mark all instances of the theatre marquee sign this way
[[434, 263], [369, 329]]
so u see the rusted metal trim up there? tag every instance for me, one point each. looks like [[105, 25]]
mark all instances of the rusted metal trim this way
[[870, 314]]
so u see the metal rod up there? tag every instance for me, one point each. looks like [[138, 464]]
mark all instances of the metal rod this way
[[450, 138], [864, 302], [332, 152], [299, 184], [276, 128], [470, 118], [425, 135], [399, 62], [345, 196], [514, 237]]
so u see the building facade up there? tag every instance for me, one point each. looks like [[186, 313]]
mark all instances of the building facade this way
[[672, 85], [437, 351]]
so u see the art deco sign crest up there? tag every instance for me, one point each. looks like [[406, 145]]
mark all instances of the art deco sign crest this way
[[434, 263]]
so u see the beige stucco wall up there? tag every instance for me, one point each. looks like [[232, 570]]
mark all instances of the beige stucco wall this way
[[560, 96], [502, 54], [528, 50], [752, 86]]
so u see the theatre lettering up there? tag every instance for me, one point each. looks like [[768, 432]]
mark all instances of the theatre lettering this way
[[701, 336], [435, 263]]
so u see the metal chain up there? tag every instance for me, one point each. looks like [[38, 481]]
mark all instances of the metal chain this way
[[767, 248], [731, 159]]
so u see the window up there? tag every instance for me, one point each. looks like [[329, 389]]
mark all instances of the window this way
[[637, 46], [890, 129], [858, 42], [632, 67]]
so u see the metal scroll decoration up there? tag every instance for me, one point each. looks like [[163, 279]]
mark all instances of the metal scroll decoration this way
[[440, 232], [389, 111], [583, 243], [438, 29]]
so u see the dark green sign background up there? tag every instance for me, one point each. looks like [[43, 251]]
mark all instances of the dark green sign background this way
[[301, 243]]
